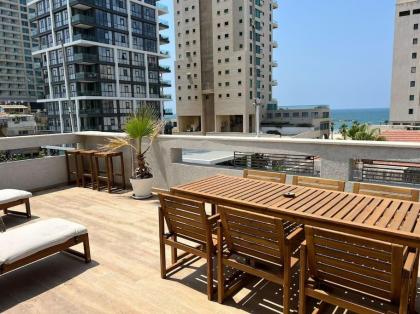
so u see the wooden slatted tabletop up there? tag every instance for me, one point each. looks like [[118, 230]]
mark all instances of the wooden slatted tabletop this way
[[385, 219]]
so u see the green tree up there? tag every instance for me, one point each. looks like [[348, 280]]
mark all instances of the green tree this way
[[344, 130], [362, 132]]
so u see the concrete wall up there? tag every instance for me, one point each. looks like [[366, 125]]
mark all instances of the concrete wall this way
[[165, 157]]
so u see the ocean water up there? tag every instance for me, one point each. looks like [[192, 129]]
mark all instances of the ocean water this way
[[348, 116], [368, 115]]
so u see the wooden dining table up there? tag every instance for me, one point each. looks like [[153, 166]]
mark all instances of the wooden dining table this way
[[385, 219]]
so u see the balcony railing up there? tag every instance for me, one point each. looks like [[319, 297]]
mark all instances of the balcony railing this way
[[162, 9], [166, 83], [82, 4], [165, 69], [163, 24], [81, 36], [163, 39], [85, 58], [83, 21], [86, 76], [89, 93]]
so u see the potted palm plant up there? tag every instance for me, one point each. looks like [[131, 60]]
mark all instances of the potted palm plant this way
[[142, 125]]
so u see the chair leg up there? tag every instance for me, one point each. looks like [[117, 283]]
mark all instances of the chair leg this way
[[174, 252], [28, 208], [111, 168], [302, 280], [86, 248], [162, 245], [220, 266], [286, 290], [209, 273], [122, 171], [96, 160], [413, 291], [108, 173]]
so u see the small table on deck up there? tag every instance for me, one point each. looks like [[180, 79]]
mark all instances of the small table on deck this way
[[385, 219]]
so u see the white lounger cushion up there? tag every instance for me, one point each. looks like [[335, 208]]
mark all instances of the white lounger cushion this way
[[24, 241], [11, 195]]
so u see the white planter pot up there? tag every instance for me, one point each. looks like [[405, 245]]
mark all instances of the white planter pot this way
[[142, 188]]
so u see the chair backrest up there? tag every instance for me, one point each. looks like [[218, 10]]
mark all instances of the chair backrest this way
[[253, 234], [186, 218], [319, 183], [265, 175], [356, 263], [400, 193]]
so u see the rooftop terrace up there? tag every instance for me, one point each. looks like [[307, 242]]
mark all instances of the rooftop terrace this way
[[124, 275]]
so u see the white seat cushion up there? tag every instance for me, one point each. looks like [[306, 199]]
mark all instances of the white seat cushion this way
[[24, 241], [11, 195]]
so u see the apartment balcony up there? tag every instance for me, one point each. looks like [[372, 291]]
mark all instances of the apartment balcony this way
[[163, 24], [275, 4], [165, 83], [164, 54], [86, 77], [85, 58], [274, 24], [81, 36], [274, 64], [89, 93], [164, 69], [163, 39], [166, 96], [32, 16], [275, 44], [124, 275], [82, 4], [162, 9], [274, 83], [83, 21]]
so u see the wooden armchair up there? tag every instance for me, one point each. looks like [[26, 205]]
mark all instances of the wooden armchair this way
[[400, 193], [265, 175], [337, 269], [262, 241], [186, 219], [319, 183]]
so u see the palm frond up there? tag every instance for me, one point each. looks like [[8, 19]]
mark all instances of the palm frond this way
[[117, 143]]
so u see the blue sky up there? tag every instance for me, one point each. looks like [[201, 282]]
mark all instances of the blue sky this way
[[335, 52]]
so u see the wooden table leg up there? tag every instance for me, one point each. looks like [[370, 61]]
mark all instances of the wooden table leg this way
[[122, 171], [28, 208]]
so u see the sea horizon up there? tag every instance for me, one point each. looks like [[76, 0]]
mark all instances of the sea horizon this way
[[348, 116]]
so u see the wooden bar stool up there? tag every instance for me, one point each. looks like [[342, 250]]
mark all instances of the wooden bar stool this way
[[73, 155], [87, 157], [108, 175]]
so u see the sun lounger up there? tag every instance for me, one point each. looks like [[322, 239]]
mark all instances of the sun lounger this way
[[32, 242], [11, 197]]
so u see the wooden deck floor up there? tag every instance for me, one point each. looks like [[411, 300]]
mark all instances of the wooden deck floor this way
[[124, 276]]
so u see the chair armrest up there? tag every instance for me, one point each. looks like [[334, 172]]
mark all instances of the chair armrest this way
[[295, 239], [410, 262], [213, 219]]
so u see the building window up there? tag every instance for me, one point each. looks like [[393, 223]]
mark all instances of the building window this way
[[414, 55], [416, 26], [411, 97], [404, 13], [410, 111], [415, 41], [413, 69], [413, 84]]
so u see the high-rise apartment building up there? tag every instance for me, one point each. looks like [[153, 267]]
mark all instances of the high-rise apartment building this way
[[19, 80], [100, 60], [224, 60], [405, 99]]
